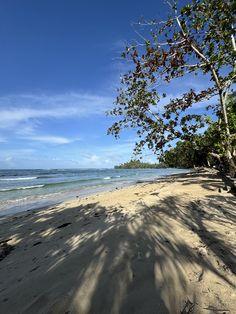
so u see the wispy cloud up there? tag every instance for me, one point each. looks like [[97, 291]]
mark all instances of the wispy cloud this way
[[49, 139], [19, 109]]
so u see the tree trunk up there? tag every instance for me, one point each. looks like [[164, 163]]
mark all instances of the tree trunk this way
[[226, 143]]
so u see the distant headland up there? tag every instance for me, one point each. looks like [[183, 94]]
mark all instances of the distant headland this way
[[135, 164]]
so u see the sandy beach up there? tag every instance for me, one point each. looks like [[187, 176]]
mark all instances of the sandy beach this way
[[161, 247]]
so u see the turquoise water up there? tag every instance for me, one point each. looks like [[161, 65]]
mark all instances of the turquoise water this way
[[21, 190]]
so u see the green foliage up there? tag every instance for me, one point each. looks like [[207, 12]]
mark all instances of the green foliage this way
[[188, 154], [198, 39], [135, 164], [198, 151]]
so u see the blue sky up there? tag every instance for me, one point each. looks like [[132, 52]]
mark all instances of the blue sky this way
[[59, 69]]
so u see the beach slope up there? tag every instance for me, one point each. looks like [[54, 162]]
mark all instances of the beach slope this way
[[161, 247]]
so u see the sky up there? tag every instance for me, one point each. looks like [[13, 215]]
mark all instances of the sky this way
[[59, 70]]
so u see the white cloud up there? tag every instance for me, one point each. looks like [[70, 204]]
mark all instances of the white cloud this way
[[50, 139], [16, 110]]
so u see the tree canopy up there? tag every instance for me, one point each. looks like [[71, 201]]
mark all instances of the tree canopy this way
[[198, 38], [203, 149], [136, 164]]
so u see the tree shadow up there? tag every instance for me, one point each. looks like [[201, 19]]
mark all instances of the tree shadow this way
[[100, 259]]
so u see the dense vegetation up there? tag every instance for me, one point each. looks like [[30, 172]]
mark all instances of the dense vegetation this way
[[198, 38], [204, 149], [135, 164]]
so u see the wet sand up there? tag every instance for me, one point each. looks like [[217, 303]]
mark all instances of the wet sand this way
[[161, 247]]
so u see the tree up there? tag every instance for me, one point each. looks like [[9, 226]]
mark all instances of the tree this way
[[197, 152], [204, 149], [198, 39], [135, 164]]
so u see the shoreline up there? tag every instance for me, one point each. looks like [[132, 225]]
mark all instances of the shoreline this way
[[162, 246], [69, 196], [13, 210]]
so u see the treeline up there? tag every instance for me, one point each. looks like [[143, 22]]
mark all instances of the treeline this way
[[135, 164], [204, 149]]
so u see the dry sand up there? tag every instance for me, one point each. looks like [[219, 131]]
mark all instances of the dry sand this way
[[163, 247]]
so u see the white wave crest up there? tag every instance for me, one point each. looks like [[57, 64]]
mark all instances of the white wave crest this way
[[23, 188], [18, 179]]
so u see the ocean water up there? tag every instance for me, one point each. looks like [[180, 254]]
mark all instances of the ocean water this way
[[22, 190]]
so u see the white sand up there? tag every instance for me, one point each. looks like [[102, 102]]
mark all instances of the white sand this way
[[161, 247]]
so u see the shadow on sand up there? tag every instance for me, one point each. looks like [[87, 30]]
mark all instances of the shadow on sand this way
[[96, 259]]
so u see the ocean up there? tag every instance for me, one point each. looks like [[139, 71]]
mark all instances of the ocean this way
[[21, 190]]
